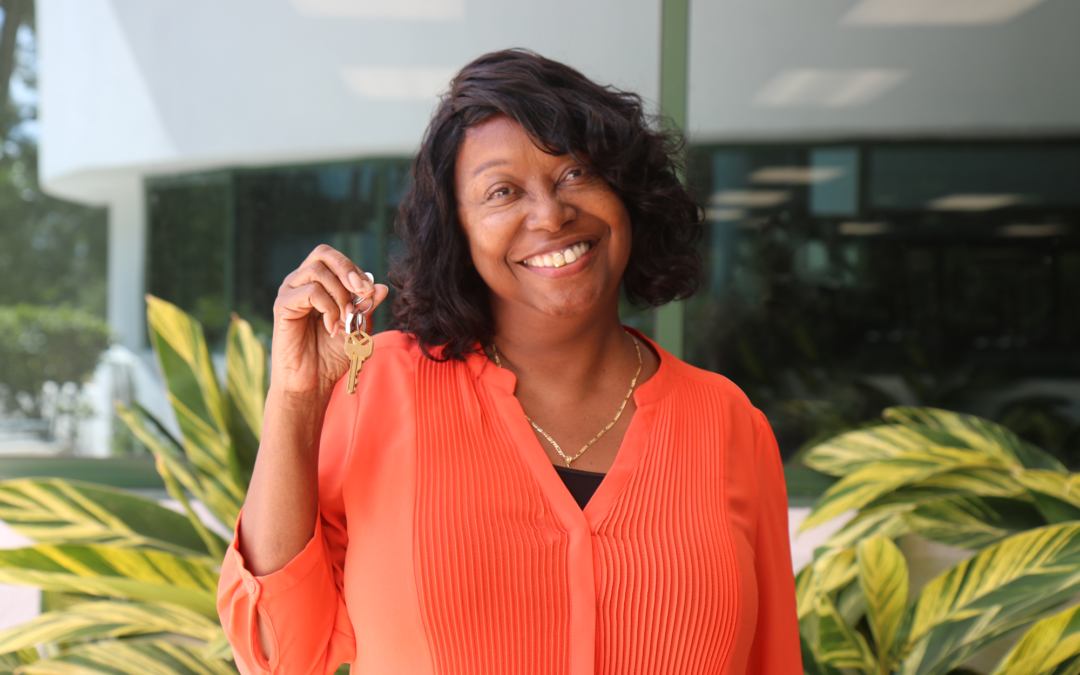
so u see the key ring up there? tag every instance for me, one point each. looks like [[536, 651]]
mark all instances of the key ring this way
[[361, 317], [357, 301]]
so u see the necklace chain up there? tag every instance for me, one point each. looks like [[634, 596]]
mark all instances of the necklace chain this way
[[568, 460]]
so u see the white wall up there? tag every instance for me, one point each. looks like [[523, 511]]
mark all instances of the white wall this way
[[152, 86]]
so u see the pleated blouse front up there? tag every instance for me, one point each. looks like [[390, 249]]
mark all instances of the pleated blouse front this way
[[447, 544]]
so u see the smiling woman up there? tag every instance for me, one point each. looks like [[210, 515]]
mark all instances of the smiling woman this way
[[432, 522]]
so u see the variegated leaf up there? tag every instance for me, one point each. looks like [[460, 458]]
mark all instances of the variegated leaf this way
[[883, 577], [153, 576], [54, 511], [245, 367], [972, 522], [877, 479], [1045, 647], [174, 472], [123, 657], [196, 399], [839, 644], [851, 451], [109, 619], [1056, 494], [829, 572], [1003, 587], [944, 427]]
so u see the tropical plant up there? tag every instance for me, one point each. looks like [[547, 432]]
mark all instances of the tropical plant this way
[[141, 578], [957, 480]]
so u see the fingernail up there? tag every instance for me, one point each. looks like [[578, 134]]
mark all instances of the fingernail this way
[[370, 276], [357, 284]]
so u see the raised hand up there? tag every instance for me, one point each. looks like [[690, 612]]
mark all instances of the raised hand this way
[[308, 356]]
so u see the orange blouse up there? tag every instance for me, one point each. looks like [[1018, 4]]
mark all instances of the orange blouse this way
[[446, 542]]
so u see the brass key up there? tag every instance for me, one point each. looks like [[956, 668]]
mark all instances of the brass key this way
[[358, 347]]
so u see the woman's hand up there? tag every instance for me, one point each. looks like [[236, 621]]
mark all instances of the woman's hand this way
[[308, 351]]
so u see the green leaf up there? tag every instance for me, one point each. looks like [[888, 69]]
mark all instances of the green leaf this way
[[148, 575], [849, 452], [877, 479], [54, 511], [122, 657], [1046, 646], [883, 577], [811, 665], [109, 619], [1000, 589], [839, 644], [972, 522], [245, 365], [1056, 495], [174, 472], [944, 427], [196, 399], [829, 572]]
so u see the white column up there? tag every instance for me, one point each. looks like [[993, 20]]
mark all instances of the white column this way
[[126, 310]]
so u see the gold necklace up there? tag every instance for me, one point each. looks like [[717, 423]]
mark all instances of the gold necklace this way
[[633, 383]]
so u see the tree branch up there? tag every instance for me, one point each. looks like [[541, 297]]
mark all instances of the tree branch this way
[[15, 13]]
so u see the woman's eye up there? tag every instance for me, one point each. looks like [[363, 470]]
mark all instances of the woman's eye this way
[[499, 193], [576, 175]]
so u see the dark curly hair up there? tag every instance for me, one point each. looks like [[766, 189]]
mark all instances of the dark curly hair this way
[[441, 299]]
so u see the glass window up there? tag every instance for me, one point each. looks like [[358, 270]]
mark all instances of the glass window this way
[[845, 278], [224, 242]]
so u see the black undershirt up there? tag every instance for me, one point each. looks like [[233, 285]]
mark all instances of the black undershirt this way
[[581, 484]]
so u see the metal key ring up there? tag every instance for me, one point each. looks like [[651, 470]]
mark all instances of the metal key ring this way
[[361, 322], [357, 301]]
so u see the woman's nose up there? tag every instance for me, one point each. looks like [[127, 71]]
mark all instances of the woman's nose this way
[[550, 212]]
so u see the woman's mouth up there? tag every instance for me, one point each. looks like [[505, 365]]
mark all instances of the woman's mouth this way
[[559, 258]]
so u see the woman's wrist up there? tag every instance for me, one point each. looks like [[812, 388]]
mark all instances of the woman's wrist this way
[[294, 419]]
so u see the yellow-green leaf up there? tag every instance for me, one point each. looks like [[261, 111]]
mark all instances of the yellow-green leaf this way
[[853, 450], [245, 366], [1047, 644], [109, 619], [200, 411], [883, 576], [946, 427], [1056, 494], [972, 522], [54, 511], [1003, 587], [122, 657], [174, 472], [877, 479], [830, 571], [148, 575], [838, 644]]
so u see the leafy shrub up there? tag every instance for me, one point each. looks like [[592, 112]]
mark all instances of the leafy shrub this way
[[961, 481], [38, 344], [142, 576]]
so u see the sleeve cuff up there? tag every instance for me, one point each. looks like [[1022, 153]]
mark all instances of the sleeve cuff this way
[[294, 572]]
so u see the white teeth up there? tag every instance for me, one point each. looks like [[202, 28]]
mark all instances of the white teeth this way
[[569, 255]]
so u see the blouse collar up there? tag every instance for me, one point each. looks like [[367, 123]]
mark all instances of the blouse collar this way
[[650, 391]]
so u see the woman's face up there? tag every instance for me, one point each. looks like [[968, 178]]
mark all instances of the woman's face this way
[[545, 232]]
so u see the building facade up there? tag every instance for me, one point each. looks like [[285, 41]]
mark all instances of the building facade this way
[[891, 187]]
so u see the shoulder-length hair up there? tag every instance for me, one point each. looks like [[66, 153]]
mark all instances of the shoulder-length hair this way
[[441, 299]]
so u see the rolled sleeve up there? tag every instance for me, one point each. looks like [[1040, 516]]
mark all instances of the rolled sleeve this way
[[301, 605]]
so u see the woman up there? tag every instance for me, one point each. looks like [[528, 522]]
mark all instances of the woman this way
[[429, 523]]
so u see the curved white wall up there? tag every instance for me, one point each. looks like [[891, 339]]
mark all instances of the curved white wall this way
[[164, 85]]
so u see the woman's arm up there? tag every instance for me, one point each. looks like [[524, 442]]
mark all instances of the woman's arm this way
[[307, 358], [776, 649]]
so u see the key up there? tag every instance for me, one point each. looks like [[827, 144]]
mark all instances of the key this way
[[358, 347]]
